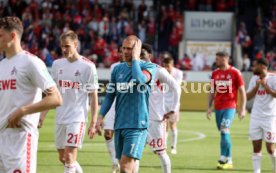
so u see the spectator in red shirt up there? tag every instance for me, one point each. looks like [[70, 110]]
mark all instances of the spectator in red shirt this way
[[221, 5], [191, 5], [100, 48]]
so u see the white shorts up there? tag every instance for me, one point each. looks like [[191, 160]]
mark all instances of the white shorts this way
[[109, 118], [69, 135], [157, 135], [18, 151], [263, 129]]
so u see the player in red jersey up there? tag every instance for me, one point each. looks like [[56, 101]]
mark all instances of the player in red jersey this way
[[226, 82]]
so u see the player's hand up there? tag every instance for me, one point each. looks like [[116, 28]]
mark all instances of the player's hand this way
[[242, 113], [258, 82], [14, 118], [209, 113], [136, 51], [263, 82], [40, 123], [42, 118], [91, 131], [168, 115], [99, 125]]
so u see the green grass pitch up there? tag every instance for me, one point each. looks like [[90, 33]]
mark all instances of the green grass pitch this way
[[195, 155]]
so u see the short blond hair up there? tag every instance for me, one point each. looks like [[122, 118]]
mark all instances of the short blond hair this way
[[69, 34], [167, 58]]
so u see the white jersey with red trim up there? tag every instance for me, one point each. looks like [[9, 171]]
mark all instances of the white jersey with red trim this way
[[178, 76], [75, 80], [264, 105], [23, 77], [164, 82]]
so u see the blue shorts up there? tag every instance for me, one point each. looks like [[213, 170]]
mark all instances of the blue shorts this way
[[224, 118], [130, 142]]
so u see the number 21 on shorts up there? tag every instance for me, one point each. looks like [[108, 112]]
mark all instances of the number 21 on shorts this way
[[72, 138]]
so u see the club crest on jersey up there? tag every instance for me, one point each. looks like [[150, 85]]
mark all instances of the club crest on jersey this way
[[60, 71], [77, 73], [14, 71], [159, 85], [228, 76]]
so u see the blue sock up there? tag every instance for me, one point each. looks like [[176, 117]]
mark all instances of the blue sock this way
[[225, 144], [229, 149]]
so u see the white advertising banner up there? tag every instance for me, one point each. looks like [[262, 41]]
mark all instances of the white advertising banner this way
[[208, 26], [200, 76]]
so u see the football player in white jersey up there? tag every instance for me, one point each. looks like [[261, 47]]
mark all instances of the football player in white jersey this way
[[23, 77], [262, 86], [109, 123], [168, 63], [77, 81], [158, 114]]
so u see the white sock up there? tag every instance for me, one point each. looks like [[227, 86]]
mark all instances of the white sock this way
[[166, 162], [174, 134], [78, 168], [257, 162], [229, 160], [137, 166], [70, 168], [273, 160], [222, 158], [111, 150]]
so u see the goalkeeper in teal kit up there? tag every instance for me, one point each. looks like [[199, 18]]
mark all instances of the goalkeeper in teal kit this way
[[130, 83]]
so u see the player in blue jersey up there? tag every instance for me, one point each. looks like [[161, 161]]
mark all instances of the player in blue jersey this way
[[130, 84]]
